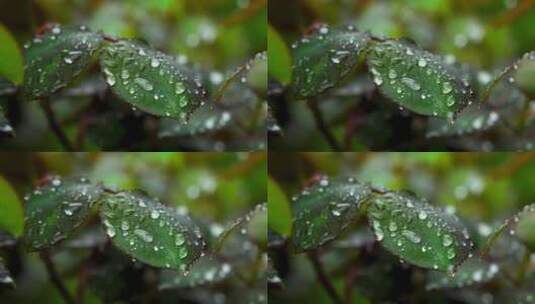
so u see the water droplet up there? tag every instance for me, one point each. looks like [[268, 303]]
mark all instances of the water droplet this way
[[144, 84], [179, 88], [447, 240], [411, 83], [56, 30], [182, 253], [154, 214], [446, 87], [154, 63], [392, 74], [422, 215], [392, 226], [422, 63], [451, 253], [124, 74], [179, 239], [378, 80], [144, 235]]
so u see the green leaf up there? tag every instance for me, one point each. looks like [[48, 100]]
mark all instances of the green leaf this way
[[12, 215], [321, 212], [322, 59], [207, 118], [151, 80], [54, 59], [5, 126], [11, 65], [522, 225], [473, 271], [253, 224], [151, 232], [471, 120], [253, 73], [418, 80], [280, 61], [206, 271], [279, 212], [54, 210], [5, 276], [417, 232], [525, 74]]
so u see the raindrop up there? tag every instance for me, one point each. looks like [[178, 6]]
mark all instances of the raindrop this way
[[154, 214], [412, 236], [446, 87], [154, 63], [182, 253], [422, 215], [447, 240], [180, 88], [144, 235], [411, 83], [422, 63], [144, 84], [392, 74], [179, 239]]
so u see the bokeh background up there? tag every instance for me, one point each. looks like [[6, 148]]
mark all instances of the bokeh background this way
[[483, 189], [215, 188], [487, 35]]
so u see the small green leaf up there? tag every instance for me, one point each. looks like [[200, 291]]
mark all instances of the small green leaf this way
[[253, 224], [279, 212], [322, 59], [12, 215], [151, 80], [206, 271], [522, 225], [5, 126], [205, 119], [5, 276], [418, 80], [525, 74], [151, 232], [253, 73], [54, 210], [11, 65], [280, 61], [417, 232], [471, 120], [473, 271], [54, 59], [321, 212]]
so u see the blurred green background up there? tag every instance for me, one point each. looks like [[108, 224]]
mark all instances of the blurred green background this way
[[216, 188], [486, 34], [482, 188]]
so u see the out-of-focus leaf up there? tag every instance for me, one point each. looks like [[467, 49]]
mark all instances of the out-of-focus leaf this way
[[205, 119], [54, 59], [5, 276], [522, 225], [253, 224], [12, 215], [321, 212], [54, 210], [206, 271], [525, 74], [279, 212], [472, 271], [151, 80], [251, 73], [472, 119], [151, 232], [417, 80], [322, 59], [417, 232], [280, 61], [11, 65]]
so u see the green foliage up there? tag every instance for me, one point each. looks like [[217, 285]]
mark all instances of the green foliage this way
[[54, 210], [280, 60], [12, 216], [322, 59], [206, 271], [321, 212], [150, 232], [56, 57], [11, 65], [472, 272], [279, 211], [475, 118], [150, 80]]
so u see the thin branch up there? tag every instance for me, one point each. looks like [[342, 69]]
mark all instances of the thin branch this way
[[320, 123], [55, 277], [54, 125], [322, 277]]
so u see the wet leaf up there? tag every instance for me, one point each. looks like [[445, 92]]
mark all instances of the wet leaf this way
[[11, 65], [54, 210], [151, 232], [5, 276], [151, 80], [322, 59], [417, 80], [206, 271], [417, 232], [472, 119], [253, 224], [321, 212], [280, 60], [252, 73], [279, 212], [5, 126], [12, 215], [56, 58], [525, 74], [207, 118], [473, 271], [521, 225]]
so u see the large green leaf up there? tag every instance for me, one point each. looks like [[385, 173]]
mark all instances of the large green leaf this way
[[280, 61], [11, 65], [417, 232], [321, 212], [5, 276], [418, 80], [151, 232], [472, 119], [206, 271], [54, 210], [12, 215], [473, 271], [322, 59], [151, 80], [54, 59], [279, 212]]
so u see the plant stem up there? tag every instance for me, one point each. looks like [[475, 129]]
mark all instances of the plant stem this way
[[320, 122], [322, 277], [54, 125], [55, 277]]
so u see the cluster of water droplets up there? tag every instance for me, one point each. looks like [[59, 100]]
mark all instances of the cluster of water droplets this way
[[418, 232], [324, 209]]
